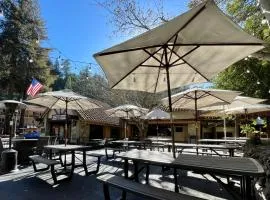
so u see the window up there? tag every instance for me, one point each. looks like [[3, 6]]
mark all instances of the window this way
[[178, 129]]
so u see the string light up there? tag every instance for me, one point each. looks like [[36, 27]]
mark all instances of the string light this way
[[30, 60], [246, 58], [258, 82], [248, 71]]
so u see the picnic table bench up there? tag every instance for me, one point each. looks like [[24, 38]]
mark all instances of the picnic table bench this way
[[246, 169], [146, 191], [50, 164], [93, 154]]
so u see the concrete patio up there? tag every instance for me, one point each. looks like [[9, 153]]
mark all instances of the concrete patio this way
[[26, 184]]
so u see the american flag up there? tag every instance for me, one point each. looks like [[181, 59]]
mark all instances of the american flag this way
[[34, 87]]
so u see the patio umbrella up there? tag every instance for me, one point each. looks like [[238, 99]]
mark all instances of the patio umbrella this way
[[237, 102], [11, 107], [126, 111], [248, 109], [157, 114], [63, 99], [197, 98], [190, 48]]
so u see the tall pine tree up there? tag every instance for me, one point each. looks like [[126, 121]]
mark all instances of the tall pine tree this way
[[22, 56]]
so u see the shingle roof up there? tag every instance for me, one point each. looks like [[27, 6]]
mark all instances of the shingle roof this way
[[98, 116]]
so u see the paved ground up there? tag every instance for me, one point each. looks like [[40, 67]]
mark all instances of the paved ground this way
[[24, 184]]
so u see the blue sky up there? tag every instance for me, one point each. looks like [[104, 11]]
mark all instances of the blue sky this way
[[80, 28]]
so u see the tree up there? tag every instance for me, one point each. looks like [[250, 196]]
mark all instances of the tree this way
[[131, 17], [22, 29]]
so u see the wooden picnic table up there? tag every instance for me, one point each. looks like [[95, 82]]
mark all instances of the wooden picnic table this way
[[245, 168], [240, 142], [213, 147], [70, 148]]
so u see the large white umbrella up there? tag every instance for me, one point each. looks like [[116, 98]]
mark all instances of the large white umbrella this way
[[126, 111], [197, 98], [63, 99], [248, 109], [237, 102], [157, 114], [191, 48]]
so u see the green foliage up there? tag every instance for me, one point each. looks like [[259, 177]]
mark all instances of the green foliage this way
[[248, 129], [22, 57], [244, 76]]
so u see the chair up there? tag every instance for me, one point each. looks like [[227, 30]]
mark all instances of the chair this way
[[39, 149]]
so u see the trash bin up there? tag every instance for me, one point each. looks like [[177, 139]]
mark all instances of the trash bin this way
[[9, 160]]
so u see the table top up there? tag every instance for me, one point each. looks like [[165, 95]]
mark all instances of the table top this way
[[213, 164], [66, 147], [213, 146], [127, 141], [223, 140]]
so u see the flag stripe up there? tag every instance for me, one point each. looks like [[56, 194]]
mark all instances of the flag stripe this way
[[34, 88]]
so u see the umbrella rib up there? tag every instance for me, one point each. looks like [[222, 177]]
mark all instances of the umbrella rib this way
[[187, 23], [175, 39], [141, 48], [159, 70], [181, 57], [160, 61], [135, 68], [195, 69]]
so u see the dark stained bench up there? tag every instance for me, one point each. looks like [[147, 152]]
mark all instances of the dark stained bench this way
[[50, 164], [93, 154], [146, 191], [113, 149]]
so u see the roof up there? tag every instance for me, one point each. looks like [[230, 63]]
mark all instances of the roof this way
[[98, 116]]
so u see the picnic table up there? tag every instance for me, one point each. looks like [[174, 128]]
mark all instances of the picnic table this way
[[240, 142], [212, 147], [244, 168], [69, 148]]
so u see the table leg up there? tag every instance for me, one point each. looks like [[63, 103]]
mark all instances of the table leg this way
[[147, 173], [249, 189], [231, 152], [72, 163], [106, 191], [136, 174], [176, 189], [126, 168], [84, 162]]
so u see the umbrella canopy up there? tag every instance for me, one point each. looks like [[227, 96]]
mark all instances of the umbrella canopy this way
[[59, 100], [195, 46], [248, 109], [190, 48], [237, 102], [63, 99], [126, 111], [157, 114], [196, 98]]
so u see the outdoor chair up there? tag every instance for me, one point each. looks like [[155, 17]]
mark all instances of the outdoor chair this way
[[39, 149]]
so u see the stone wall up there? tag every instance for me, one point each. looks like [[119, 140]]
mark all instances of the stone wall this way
[[262, 154]]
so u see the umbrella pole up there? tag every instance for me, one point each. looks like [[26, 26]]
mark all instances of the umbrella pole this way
[[170, 108], [66, 124], [196, 117]]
